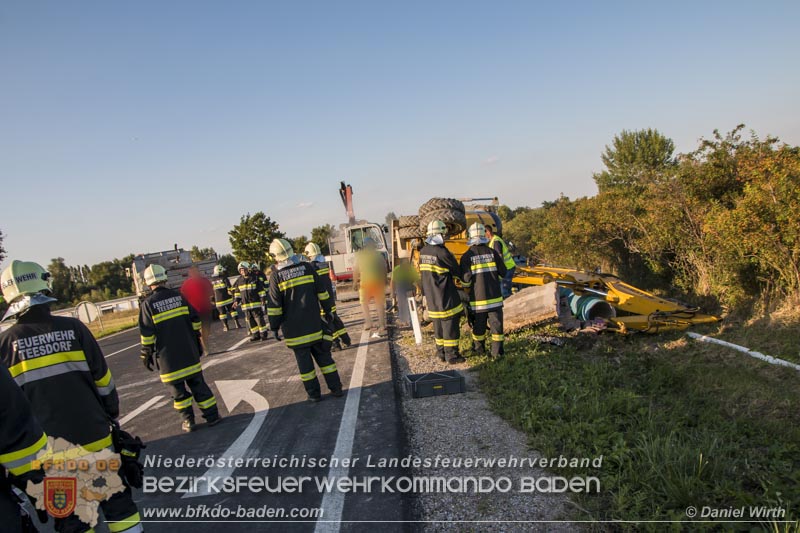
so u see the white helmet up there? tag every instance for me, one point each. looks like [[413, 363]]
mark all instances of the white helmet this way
[[312, 250], [219, 270], [155, 274], [436, 227], [476, 231], [281, 250], [24, 285]]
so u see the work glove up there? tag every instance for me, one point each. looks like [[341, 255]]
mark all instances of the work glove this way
[[129, 449], [147, 357]]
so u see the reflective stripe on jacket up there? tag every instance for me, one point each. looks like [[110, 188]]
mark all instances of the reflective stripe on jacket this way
[[171, 325], [499, 244], [62, 372]]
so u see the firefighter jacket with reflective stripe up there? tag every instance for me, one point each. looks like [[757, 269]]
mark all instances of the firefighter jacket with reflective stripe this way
[[21, 437], [500, 245], [323, 271], [169, 324], [482, 269], [296, 294], [248, 290], [61, 369], [223, 293], [264, 283], [439, 269]]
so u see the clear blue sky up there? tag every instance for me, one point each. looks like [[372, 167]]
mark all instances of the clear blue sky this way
[[130, 126]]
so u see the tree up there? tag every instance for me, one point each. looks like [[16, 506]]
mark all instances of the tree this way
[[299, 243], [2, 250], [634, 159], [201, 254], [389, 217], [250, 239], [320, 235], [63, 285], [229, 263]]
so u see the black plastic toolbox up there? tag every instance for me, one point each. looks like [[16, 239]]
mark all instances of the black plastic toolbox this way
[[435, 383]]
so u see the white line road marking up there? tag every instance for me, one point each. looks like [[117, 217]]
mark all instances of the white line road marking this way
[[139, 410], [162, 403], [233, 393], [122, 350], [333, 502], [232, 348]]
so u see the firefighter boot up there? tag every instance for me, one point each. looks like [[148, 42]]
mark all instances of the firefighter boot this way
[[256, 336], [188, 425], [236, 320], [225, 325]]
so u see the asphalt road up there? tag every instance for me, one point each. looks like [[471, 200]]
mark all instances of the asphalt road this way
[[266, 415]]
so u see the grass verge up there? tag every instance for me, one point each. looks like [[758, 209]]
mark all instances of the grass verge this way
[[114, 323], [678, 423]]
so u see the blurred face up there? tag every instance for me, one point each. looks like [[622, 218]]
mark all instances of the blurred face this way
[[243, 271], [194, 272]]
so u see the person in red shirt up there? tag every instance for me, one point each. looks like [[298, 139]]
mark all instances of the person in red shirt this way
[[198, 291]]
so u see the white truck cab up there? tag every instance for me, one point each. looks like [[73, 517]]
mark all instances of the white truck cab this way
[[348, 240]]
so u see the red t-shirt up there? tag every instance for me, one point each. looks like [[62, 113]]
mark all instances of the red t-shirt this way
[[198, 292]]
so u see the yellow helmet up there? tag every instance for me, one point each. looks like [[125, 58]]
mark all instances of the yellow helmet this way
[[25, 284], [312, 250], [24, 278], [155, 274], [436, 227], [281, 250], [476, 231]]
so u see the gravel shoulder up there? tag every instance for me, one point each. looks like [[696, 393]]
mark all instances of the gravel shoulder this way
[[463, 426]]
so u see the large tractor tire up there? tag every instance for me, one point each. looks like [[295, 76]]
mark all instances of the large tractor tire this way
[[441, 204], [410, 232], [456, 221], [410, 221]]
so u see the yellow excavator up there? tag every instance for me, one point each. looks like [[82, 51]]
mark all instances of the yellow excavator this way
[[640, 310], [590, 296]]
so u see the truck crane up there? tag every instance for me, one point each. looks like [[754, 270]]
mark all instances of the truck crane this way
[[349, 238]]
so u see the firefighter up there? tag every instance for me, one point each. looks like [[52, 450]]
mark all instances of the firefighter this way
[[170, 336], [61, 370], [482, 270], [21, 440], [500, 246], [317, 260], [223, 297], [247, 291], [296, 293], [439, 270], [255, 270]]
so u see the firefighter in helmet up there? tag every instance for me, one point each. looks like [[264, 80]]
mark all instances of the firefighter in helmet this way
[[223, 297], [247, 291], [170, 336], [60, 368], [296, 293], [482, 272], [314, 255], [439, 270]]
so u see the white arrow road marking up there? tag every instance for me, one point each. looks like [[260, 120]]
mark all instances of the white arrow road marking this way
[[333, 502], [122, 350], [139, 410], [233, 393]]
